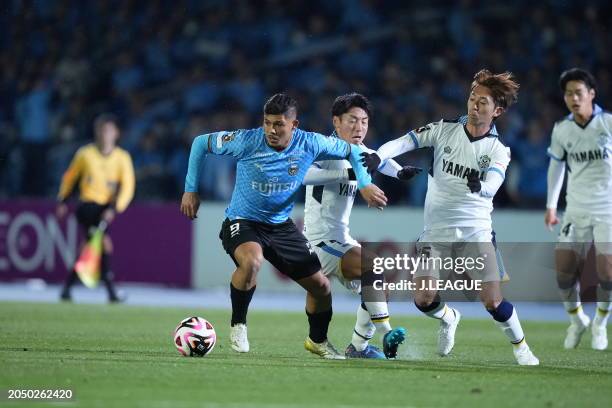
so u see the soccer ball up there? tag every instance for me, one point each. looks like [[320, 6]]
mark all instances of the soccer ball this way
[[195, 337]]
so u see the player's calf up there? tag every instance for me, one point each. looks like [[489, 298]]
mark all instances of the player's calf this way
[[507, 320]]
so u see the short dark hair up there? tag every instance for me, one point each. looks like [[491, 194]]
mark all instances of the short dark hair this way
[[344, 103], [577, 74], [281, 104], [103, 119]]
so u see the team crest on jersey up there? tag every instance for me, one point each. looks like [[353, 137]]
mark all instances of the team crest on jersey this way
[[604, 139], [484, 161], [293, 169], [569, 145], [447, 149], [228, 137]]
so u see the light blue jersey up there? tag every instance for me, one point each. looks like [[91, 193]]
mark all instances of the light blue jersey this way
[[267, 180]]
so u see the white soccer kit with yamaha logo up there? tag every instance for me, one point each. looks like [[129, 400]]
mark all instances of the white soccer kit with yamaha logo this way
[[587, 154], [327, 213], [453, 214]]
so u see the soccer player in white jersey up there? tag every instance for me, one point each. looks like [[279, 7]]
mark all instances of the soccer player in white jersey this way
[[469, 167], [330, 194], [582, 141]]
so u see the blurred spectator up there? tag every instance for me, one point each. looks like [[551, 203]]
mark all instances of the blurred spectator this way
[[528, 154], [33, 114], [181, 68], [151, 177]]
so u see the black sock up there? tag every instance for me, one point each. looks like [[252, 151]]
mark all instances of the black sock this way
[[240, 303], [319, 323], [105, 276], [70, 280]]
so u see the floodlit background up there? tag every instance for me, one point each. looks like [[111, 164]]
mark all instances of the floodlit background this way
[[172, 70]]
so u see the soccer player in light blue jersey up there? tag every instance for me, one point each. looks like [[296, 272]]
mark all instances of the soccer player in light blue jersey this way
[[272, 163]]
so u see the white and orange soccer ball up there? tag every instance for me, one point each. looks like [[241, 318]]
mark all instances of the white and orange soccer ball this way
[[195, 337]]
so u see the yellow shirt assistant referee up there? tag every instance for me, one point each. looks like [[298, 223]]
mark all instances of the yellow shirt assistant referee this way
[[105, 176]]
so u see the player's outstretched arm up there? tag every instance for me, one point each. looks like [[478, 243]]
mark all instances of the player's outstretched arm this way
[[317, 176], [393, 169], [393, 148], [556, 174], [337, 149]]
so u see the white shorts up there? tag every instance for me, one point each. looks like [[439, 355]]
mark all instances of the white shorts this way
[[579, 231], [330, 255], [461, 244]]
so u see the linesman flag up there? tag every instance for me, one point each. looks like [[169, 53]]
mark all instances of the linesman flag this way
[[88, 265]]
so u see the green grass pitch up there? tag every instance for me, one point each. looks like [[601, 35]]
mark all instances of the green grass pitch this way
[[123, 356]]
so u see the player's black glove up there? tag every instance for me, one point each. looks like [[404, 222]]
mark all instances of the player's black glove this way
[[370, 161], [474, 181], [408, 172]]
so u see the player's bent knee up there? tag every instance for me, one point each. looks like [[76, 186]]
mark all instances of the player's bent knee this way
[[351, 273], [251, 265], [318, 285]]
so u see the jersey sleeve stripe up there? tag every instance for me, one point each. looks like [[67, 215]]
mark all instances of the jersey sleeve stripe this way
[[414, 139], [501, 173], [552, 156]]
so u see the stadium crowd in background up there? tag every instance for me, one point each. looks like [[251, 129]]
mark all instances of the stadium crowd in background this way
[[175, 69]]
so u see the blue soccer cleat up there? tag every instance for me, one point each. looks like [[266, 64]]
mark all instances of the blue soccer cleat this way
[[392, 340], [368, 352]]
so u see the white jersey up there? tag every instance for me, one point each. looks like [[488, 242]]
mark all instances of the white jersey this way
[[328, 207], [449, 202], [587, 152]]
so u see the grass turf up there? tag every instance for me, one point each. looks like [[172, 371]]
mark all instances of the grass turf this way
[[124, 356]]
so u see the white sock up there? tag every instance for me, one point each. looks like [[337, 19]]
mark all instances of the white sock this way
[[442, 312], [571, 298], [379, 314], [604, 305], [572, 304], [364, 329], [512, 329]]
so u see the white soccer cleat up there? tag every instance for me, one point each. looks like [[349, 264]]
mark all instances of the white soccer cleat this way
[[575, 332], [599, 341], [238, 338], [446, 334], [326, 350], [524, 356]]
